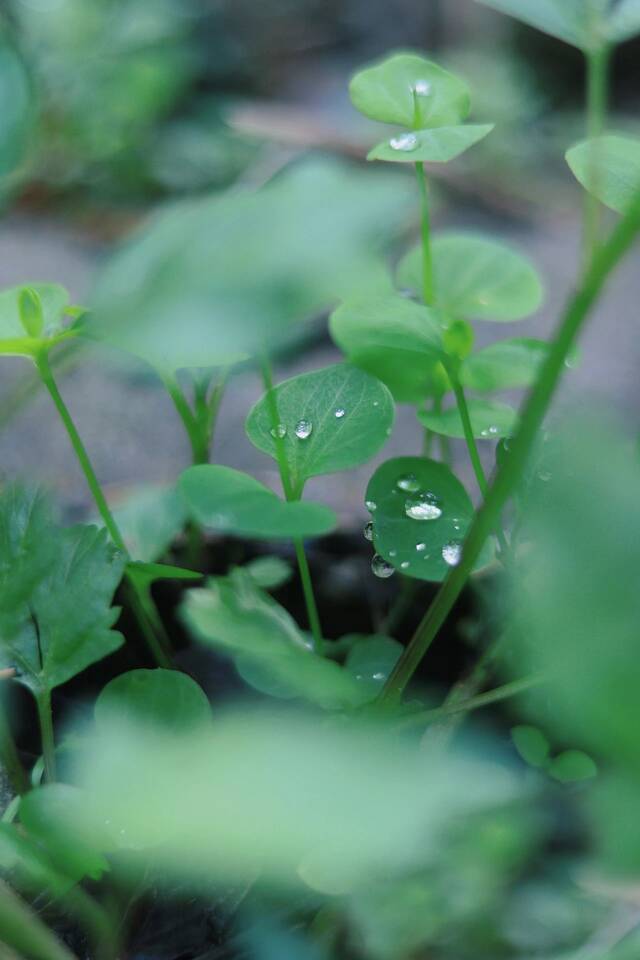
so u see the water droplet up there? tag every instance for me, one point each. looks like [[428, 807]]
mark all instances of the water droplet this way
[[424, 507], [420, 547], [493, 430], [371, 505], [404, 565], [279, 432], [457, 524], [376, 403], [380, 677], [422, 88], [408, 482], [452, 552], [368, 531], [340, 412], [406, 142], [393, 553], [303, 429], [381, 568]]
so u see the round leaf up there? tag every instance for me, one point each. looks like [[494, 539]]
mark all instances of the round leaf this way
[[393, 338], [476, 278], [371, 660], [490, 420], [233, 502], [162, 699], [609, 168], [385, 91], [504, 365], [350, 414], [430, 146], [418, 547]]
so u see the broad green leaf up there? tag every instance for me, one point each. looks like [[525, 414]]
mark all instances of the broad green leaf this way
[[404, 489], [476, 278], [490, 420], [531, 744], [504, 365], [56, 589], [164, 699], [233, 502], [609, 168], [350, 414], [14, 338], [150, 518], [18, 115], [210, 281], [430, 146], [393, 338], [409, 90], [578, 22], [371, 660], [26, 862], [572, 766], [269, 650], [624, 20]]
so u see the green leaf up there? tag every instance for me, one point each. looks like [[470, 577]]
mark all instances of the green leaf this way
[[18, 116], [393, 338], [56, 589], [531, 744], [147, 573], [572, 766], [490, 420], [166, 700], [609, 168], [418, 547], [210, 281], [385, 92], [350, 413], [476, 278], [504, 365], [31, 313], [150, 518], [430, 146], [371, 660], [269, 572], [578, 22], [53, 300], [269, 650], [624, 20], [233, 502]]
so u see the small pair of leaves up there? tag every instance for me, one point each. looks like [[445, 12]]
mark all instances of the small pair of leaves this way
[[476, 277], [586, 24], [234, 502], [269, 651], [490, 420], [570, 766], [56, 589], [505, 365], [32, 317], [166, 700], [350, 415], [609, 168], [421, 548], [393, 338], [430, 146]]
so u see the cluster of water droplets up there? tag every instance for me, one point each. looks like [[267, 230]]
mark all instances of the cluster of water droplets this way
[[404, 142], [491, 431]]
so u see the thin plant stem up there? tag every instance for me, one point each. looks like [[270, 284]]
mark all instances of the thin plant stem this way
[[508, 475], [428, 289], [597, 65], [292, 493], [9, 757], [23, 931], [198, 438], [461, 707], [45, 719]]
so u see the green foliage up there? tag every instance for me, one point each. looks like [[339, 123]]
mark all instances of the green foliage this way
[[56, 588], [371, 660], [349, 411], [476, 278], [504, 365], [430, 146], [608, 167], [531, 744], [18, 113], [233, 502], [162, 699], [490, 420], [587, 24], [31, 317], [149, 519]]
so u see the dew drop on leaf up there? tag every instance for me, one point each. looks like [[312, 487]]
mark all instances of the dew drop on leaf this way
[[371, 505], [381, 568], [452, 552], [368, 530], [421, 547], [422, 88], [409, 483], [404, 565], [340, 412], [303, 429], [423, 507], [406, 142], [279, 432]]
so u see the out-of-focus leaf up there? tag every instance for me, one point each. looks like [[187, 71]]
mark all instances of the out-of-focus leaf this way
[[476, 278], [14, 337], [270, 572], [18, 114], [371, 660], [409, 90], [430, 146], [572, 766], [531, 744], [504, 365], [609, 168], [233, 502], [349, 411], [56, 589], [624, 20], [149, 520], [490, 420], [393, 338], [578, 22], [164, 699]]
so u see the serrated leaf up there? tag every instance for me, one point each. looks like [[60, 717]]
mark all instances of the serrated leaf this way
[[350, 412], [578, 22], [166, 700], [609, 168], [430, 146], [385, 92], [490, 420], [14, 339], [56, 589], [504, 365], [234, 502], [269, 650], [393, 338], [476, 278], [418, 547], [149, 519]]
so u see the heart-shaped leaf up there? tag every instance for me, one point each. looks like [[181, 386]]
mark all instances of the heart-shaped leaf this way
[[609, 168], [329, 420], [490, 420], [420, 513], [430, 146], [164, 699], [476, 278], [578, 22], [233, 502], [393, 338], [19, 339], [504, 365], [409, 90]]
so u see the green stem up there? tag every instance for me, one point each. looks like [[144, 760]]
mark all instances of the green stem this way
[[428, 291], [508, 476], [9, 757], [198, 437], [597, 63], [45, 719], [309, 596], [23, 931], [472, 703]]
